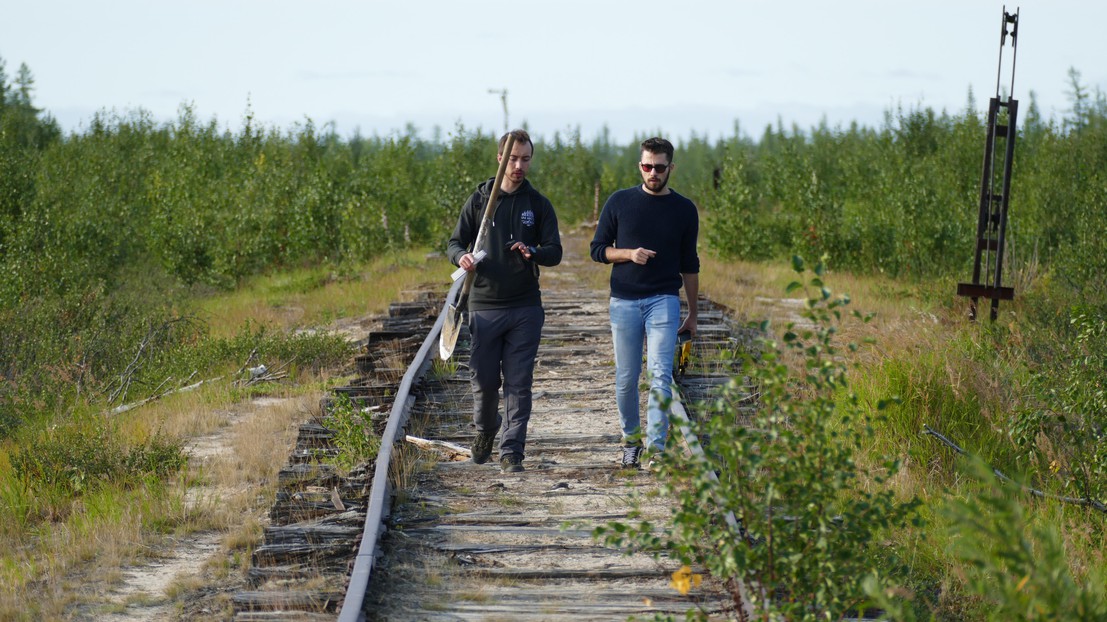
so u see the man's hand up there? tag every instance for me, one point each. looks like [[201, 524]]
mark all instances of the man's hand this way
[[527, 251], [621, 255], [689, 325], [469, 261], [641, 255]]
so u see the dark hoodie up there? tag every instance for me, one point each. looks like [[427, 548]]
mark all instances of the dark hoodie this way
[[506, 279]]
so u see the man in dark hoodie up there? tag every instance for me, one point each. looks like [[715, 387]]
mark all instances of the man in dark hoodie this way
[[505, 303]]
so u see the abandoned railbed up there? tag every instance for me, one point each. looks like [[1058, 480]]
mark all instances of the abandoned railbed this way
[[459, 541]]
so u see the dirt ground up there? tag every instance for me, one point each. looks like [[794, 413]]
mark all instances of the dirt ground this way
[[193, 577]]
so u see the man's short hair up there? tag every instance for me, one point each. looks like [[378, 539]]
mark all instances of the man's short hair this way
[[520, 136], [658, 145]]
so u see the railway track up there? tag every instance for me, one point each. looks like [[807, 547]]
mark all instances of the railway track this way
[[427, 535]]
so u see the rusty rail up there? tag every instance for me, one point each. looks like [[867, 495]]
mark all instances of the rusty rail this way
[[561, 468], [380, 494]]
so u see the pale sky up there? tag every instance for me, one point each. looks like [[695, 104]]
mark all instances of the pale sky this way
[[668, 66]]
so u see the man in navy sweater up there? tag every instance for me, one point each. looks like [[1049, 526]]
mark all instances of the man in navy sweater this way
[[505, 303], [648, 233]]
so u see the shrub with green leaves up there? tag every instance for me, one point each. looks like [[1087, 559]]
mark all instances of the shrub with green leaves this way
[[353, 432], [70, 460], [1071, 411], [808, 514]]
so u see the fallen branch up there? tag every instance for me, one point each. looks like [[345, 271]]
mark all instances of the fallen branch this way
[[453, 451], [125, 407], [129, 371], [126, 377], [1085, 501], [249, 359]]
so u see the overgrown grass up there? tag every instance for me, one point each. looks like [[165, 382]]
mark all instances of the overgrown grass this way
[[83, 489], [1000, 391], [318, 296]]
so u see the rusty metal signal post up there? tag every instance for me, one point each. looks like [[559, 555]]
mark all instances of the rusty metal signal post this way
[[995, 189]]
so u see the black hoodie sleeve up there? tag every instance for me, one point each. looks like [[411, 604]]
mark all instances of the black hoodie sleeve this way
[[465, 233], [549, 249]]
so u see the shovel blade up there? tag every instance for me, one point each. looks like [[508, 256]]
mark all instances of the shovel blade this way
[[451, 328], [456, 301]]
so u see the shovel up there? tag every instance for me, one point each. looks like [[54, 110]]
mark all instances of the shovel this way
[[458, 298]]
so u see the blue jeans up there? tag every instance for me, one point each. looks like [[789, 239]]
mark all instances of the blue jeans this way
[[655, 320]]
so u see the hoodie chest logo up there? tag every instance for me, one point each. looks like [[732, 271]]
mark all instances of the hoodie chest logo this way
[[527, 218]]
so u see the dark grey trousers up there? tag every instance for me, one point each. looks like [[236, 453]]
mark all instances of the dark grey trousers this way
[[504, 345]]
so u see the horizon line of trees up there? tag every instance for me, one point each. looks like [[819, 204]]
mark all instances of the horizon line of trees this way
[[131, 202]]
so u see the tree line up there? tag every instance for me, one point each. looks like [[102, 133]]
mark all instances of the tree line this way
[[130, 203]]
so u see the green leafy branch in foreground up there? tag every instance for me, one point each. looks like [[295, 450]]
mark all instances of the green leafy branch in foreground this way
[[1019, 568], [809, 514]]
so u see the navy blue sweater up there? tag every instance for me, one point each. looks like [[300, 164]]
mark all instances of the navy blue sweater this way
[[667, 224]]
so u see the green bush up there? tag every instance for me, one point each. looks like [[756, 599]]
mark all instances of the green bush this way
[[808, 514], [75, 458], [1070, 411], [353, 432], [63, 347], [105, 349]]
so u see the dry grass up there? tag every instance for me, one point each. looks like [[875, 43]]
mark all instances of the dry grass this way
[[589, 274], [234, 468], [738, 285], [903, 317], [237, 443], [235, 451], [746, 287], [108, 532], [316, 297]]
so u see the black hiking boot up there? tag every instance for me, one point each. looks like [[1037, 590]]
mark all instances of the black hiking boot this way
[[511, 463], [482, 447]]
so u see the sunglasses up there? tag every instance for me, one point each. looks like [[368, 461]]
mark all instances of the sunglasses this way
[[660, 168]]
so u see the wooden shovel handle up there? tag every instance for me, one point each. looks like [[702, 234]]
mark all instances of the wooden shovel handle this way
[[455, 306], [490, 209]]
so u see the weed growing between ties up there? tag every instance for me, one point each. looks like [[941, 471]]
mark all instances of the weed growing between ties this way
[[353, 432], [443, 369], [804, 545]]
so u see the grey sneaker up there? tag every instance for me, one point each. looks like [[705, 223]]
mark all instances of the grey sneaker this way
[[482, 447], [511, 463], [631, 454]]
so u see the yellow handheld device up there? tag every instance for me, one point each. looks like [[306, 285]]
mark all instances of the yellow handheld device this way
[[684, 350]]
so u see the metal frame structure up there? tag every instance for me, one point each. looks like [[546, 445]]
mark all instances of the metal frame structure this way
[[995, 190]]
